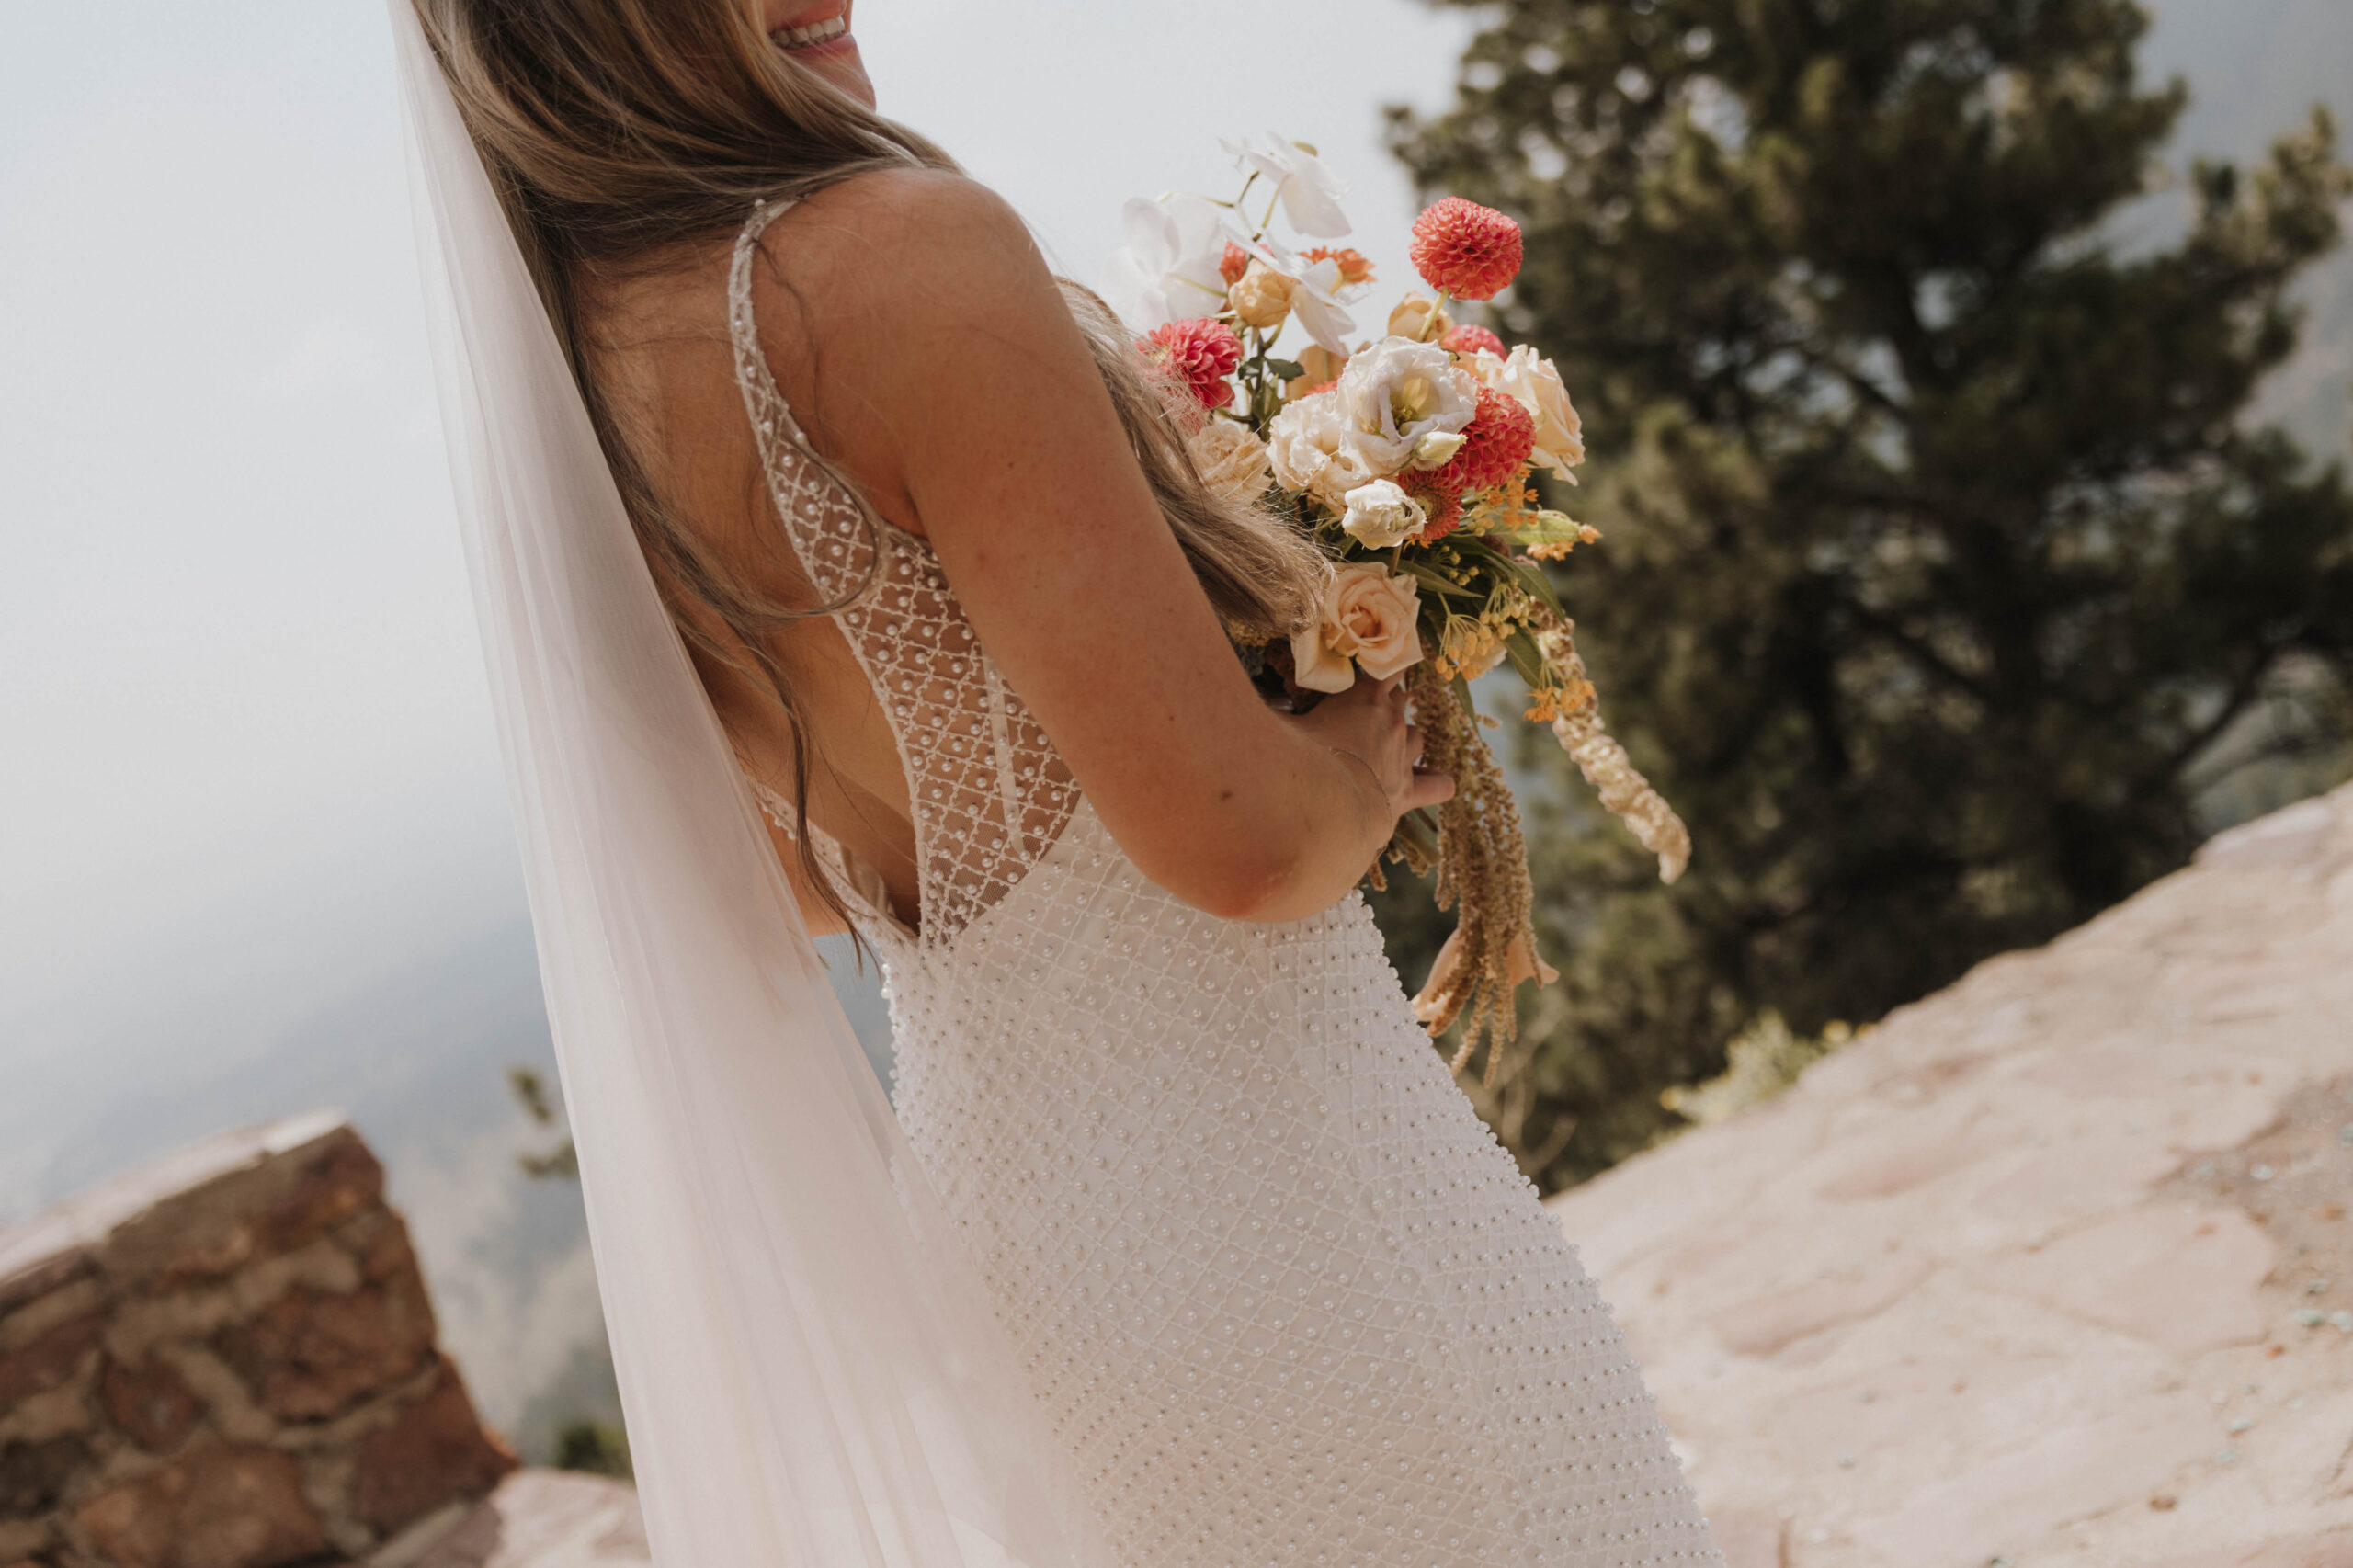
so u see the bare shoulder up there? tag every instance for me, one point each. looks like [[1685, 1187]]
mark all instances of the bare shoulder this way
[[890, 258], [896, 234], [892, 305]]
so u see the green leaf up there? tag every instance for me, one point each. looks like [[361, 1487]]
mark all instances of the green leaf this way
[[1541, 528], [1526, 659], [1428, 577], [1288, 369]]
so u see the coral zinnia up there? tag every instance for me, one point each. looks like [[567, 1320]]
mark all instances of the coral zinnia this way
[[1473, 340], [1469, 251], [1442, 501], [1202, 354], [1236, 263], [1496, 445]]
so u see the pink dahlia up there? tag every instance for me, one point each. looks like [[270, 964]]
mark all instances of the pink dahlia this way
[[1202, 354], [1496, 445], [1473, 340], [1469, 251]]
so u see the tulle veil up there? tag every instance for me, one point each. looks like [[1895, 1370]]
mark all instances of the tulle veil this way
[[811, 1374]]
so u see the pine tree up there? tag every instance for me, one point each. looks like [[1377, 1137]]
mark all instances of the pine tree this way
[[1942, 571]]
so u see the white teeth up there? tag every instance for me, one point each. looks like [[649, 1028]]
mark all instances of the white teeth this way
[[817, 32]]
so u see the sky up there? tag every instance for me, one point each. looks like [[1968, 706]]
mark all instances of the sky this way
[[246, 762], [247, 758]]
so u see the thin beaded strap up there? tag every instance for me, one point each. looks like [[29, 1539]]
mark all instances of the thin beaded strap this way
[[797, 476]]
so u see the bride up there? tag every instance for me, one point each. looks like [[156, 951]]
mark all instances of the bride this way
[[1200, 1256]]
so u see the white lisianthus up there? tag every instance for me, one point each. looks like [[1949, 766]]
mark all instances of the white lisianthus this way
[[1314, 450], [1535, 385], [1395, 393], [1310, 193], [1168, 269], [1231, 459], [1369, 621], [1381, 515]]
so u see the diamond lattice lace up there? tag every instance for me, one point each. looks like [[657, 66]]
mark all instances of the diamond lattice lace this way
[[1284, 1297], [988, 789]]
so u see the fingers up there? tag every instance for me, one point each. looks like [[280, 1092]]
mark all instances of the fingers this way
[[1427, 788]]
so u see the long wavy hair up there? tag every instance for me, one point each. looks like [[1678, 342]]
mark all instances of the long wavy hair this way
[[623, 136]]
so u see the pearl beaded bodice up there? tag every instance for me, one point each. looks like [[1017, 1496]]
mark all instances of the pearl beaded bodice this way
[[1280, 1293]]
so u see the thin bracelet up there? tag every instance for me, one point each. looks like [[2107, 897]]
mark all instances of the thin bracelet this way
[[1360, 762]]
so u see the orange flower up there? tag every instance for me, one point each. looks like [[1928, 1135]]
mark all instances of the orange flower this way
[[1354, 267]]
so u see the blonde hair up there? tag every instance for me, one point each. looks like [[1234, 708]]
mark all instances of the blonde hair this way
[[621, 134]]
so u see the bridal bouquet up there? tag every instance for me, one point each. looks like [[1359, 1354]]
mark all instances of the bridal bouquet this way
[[1409, 457]]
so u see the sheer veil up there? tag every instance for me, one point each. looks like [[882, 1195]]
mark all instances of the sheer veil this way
[[812, 1376]]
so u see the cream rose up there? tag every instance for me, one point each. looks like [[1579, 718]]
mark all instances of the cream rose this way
[[1263, 298], [1381, 515], [1369, 621], [1535, 384], [1232, 462], [1313, 449], [1395, 393]]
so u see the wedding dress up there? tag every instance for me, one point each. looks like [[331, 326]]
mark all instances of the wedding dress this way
[[1283, 1297]]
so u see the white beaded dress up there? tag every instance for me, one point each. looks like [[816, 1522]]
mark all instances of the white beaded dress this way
[[1281, 1294]]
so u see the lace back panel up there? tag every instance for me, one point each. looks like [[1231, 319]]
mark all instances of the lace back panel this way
[[991, 796]]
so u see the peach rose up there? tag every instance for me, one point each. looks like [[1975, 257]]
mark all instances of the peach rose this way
[[1322, 367], [1411, 316], [1536, 383], [1263, 298], [1369, 619]]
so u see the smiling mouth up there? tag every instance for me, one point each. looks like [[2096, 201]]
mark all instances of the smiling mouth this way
[[813, 35]]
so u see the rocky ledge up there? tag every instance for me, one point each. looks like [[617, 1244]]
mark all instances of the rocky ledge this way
[[2053, 1269], [227, 1360]]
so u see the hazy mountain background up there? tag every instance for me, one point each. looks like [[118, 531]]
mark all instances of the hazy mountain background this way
[[411, 1023]]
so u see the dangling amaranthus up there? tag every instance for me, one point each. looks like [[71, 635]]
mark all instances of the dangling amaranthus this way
[[1576, 714], [1482, 873]]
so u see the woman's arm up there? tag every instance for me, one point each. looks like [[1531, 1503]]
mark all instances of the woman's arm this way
[[913, 322]]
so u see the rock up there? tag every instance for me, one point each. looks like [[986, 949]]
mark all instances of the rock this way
[[436, 1452], [2182, 1278], [310, 1353], [1764, 1328], [545, 1519], [49, 1361], [2032, 1254], [1750, 1538], [150, 1403], [220, 1508], [33, 1475], [200, 1362]]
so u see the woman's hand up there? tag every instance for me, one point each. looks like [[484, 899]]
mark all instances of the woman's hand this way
[[1366, 726]]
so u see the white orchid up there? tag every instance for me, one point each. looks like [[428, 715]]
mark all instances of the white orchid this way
[[1316, 303], [1309, 192], [1168, 269]]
